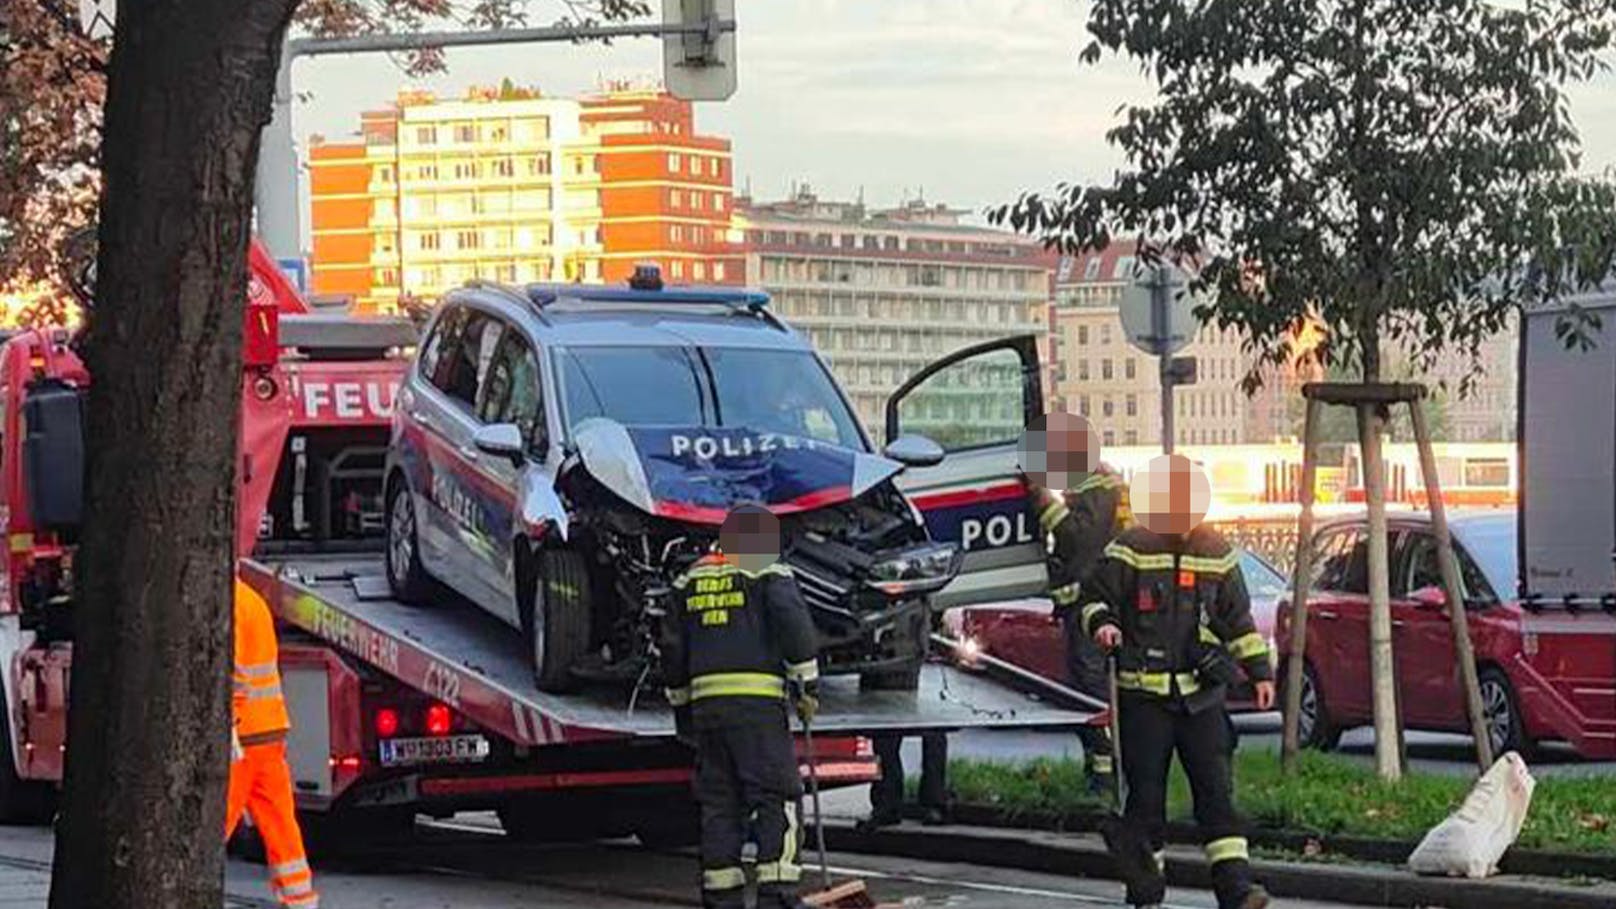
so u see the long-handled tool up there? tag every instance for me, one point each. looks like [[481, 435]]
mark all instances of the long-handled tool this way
[[848, 894], [1136, 863]]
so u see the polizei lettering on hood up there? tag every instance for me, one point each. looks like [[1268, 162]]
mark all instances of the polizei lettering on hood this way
[[707, 448]]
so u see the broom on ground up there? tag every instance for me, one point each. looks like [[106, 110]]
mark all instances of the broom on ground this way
[[848, 894]]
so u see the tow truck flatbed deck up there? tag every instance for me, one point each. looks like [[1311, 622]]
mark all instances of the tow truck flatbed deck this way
[[476, 664]]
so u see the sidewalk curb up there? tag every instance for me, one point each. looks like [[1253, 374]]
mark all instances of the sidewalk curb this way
[[1360, 885], [1537, 863]]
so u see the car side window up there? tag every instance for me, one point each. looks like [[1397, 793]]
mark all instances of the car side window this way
[[1421, 567], [468, 358], [511, 392], [1424, 569], [445, 333], [1343, 563]]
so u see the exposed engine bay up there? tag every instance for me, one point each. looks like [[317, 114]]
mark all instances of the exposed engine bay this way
[[864, 565]]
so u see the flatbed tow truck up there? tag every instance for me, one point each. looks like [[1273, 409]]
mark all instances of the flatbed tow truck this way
[[397, 709]]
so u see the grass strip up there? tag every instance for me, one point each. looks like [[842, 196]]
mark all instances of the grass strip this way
[[1326, 795]]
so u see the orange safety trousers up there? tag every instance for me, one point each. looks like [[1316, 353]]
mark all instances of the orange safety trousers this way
[[261, 784]]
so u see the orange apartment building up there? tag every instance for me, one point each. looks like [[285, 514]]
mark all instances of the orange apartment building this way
[[510, 186]]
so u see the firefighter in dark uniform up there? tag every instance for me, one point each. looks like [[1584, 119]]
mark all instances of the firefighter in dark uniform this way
[[738, 647], [1063, 450], [1168, 597]]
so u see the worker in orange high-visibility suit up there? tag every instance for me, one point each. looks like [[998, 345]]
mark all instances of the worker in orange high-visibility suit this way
[[260, 780]]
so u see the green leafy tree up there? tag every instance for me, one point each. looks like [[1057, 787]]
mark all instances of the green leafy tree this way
[[1405, 171]]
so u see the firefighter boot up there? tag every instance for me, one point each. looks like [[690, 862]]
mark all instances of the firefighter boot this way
[[1231, 881]]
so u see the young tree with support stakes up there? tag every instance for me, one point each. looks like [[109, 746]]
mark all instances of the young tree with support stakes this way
[[187, 88], [1403, 171]]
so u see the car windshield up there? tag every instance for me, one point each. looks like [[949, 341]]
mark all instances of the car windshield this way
[[765, 390], [1261, 579], [1491, 543]]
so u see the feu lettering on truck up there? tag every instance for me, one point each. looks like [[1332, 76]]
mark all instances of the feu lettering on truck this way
[[707, 448], [347, 400]]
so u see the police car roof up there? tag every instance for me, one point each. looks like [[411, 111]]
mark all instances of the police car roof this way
[[591, 315]]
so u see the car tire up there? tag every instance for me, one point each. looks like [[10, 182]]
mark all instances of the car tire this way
[[1506, 728], [406, 576], [558, 617], [1315, 728], [22, 802]]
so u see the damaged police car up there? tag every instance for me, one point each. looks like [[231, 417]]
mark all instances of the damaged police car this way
[[560, 453]]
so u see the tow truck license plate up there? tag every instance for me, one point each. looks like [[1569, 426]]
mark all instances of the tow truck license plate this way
[[443, 749]]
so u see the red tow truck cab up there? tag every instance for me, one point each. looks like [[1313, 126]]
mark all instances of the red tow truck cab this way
[[317, 401]]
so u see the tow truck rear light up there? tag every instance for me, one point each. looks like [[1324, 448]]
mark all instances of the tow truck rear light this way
[[387, 722], [438, 720]]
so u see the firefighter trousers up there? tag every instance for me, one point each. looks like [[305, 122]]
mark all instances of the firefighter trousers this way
[[886, 794], [1153, 730], [261, 786], [747, 784]]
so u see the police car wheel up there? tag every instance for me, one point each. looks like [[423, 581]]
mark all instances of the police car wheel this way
[[557, 618], [406, 577]]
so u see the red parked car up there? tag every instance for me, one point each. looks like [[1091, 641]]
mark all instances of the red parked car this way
[[1028, 633], [1546, 673]]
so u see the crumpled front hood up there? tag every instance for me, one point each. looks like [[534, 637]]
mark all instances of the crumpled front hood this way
[[695, 473]]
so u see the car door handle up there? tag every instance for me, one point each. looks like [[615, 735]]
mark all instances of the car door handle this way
[[421, 417], [1326, 614], [469, 453], [1398, 623]]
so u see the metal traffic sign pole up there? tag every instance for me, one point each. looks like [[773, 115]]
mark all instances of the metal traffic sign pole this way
[[1158, 318], [702, 68]]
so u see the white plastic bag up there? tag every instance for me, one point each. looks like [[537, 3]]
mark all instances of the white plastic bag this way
[[1472, 840]]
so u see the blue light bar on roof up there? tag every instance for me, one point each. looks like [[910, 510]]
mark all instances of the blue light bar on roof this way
[[545, 294]]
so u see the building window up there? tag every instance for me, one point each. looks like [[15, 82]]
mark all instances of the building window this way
[[1128, 368], [467, 239], [1133, 405], [1110, 437], [429, 240], [698, 271], [1131, 437], [676, 233], [1105, 333], [1107, 407], [713, 166], [1091, 268], [678, 269], [1082, 334], [426, 172], [386, 243], [384, 173], [718, 202], [673, 163], [538, 165], [465, 170], [676, 198], [502, 167], [1124, 269], [1082, 370], [465, 132], [1105, 368], [498, 132], [426, 135]]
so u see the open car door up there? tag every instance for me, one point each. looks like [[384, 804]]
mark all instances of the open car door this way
[[975, 403]]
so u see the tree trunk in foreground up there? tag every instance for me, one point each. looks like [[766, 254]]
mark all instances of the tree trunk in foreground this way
[[1382, 665], [143, 817]]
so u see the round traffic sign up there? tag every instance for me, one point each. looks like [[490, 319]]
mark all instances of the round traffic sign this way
[[1162, 334]]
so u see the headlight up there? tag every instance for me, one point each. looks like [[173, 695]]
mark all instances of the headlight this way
[[920, 570]]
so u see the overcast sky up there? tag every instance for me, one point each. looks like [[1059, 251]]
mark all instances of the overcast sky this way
[[971, 100]]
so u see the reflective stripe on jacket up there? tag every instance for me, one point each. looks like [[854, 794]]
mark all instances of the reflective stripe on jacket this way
[[1172, 598], [731, 636], [256, 700]]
